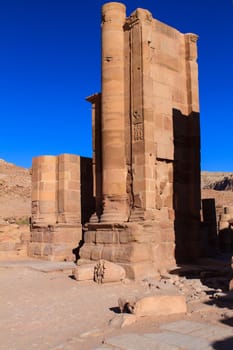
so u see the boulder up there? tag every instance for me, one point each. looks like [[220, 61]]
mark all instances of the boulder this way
[[159, 305]]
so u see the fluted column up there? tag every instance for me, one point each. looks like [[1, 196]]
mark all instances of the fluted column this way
[[115, 207]]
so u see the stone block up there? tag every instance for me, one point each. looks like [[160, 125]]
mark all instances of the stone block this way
[[107, 237], [138, 271], [89, 237], [84, 272], [165, 151], [167, 249], [35, 249], [86, 250], [161, 305], [64, 236], [58, 252], [106, 271], [134, 252], [47, 250], [37, 236], [96, 253], [108, 252], [168, 235]]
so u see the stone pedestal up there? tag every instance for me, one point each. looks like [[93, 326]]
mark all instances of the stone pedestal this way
[[57, 242], [141, 248], [56, 228]]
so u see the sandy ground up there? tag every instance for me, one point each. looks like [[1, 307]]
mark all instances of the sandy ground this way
[[53, 311]]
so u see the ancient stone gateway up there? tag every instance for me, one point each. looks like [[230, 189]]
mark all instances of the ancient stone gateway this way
[[146, 157], [146, 149]]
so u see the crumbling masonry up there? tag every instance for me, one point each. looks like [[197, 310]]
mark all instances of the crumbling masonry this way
[[146, 153]]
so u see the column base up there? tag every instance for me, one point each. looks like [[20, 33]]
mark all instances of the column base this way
[[115, 209], [143, 249]]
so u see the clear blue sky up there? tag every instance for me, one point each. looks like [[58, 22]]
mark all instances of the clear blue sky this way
[[50, 61]]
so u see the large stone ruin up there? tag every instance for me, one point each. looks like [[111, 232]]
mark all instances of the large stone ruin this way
[[146, 156]]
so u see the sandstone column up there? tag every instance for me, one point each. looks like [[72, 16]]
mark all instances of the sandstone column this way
[[69, 189], [115, 208], [44, 190]]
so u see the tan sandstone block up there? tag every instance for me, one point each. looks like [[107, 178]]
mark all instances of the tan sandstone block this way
[[134, 252], [63, 237], [89, 237], [113, 272], [161, 305], [86, 250], [96, 253], [35, 249], [84, 272], [36, 236], [108, 252], [107, 237]]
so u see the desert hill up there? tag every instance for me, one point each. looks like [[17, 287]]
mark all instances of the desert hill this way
[[15, 191], [217, 185], [219, 181]]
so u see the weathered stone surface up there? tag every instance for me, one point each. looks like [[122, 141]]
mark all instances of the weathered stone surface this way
[[159, 305], [57, 214], [84, 272], [106, 271], [149, 166]]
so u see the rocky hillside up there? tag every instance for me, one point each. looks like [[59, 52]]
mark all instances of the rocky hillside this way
[[15, 191], [218, 181], [217, 185]]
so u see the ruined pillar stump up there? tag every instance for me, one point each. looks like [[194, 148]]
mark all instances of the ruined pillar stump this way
[[56, 228]]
